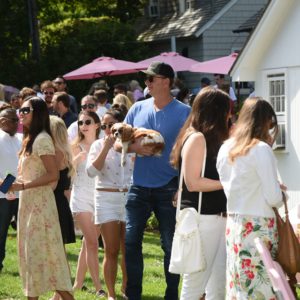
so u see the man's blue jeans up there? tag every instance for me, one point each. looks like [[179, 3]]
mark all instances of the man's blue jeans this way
[[140, 203], [7, 210]]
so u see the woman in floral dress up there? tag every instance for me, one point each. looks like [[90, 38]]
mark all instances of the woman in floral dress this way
[[42, 260], [248, 173]]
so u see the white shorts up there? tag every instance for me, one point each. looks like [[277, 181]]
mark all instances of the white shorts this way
[[109, 206], [82, 199]]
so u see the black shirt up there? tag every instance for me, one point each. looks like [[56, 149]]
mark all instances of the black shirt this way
[[212, 202]]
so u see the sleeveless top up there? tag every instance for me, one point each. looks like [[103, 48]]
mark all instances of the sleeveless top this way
[[212, 202]]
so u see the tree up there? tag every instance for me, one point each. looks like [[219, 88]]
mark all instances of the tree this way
[[66, 47], [72, 43]]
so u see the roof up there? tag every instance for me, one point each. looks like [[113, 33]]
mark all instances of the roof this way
[[172, 24], [250, 24], [275, 14]]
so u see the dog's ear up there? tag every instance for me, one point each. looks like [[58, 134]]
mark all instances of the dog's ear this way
[[127, 133]]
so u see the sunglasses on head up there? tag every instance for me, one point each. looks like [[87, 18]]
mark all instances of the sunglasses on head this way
[[150, 78], [86, 122], [109, 126], [48, 93], [90, 106], [25, 110]]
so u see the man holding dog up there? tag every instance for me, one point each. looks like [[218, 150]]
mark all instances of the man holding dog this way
[[154, 180]]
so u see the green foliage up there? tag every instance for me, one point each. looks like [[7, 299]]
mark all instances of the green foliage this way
[[14, 39], [69, 44], [152, 223], [72, 34], [55, 10]]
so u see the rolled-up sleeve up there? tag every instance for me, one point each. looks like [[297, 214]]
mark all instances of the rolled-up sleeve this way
[[94, 151], [267, 171]]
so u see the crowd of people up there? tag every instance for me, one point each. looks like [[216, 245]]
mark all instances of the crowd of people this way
[[69, 175]]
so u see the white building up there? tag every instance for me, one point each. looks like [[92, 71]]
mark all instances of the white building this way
[[271, 58]]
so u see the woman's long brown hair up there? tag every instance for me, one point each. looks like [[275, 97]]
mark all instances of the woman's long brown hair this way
[[96, 119], [209, 116], [256, 119]]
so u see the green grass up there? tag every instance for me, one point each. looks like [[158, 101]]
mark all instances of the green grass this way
[[154, 282], [153, 287]]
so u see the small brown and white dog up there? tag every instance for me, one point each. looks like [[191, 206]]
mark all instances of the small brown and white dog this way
[[127, 135]]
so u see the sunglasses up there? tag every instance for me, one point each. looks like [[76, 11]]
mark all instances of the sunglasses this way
[[48, 93], [150, 78], [58, 82], [109, 126], [86, 122], [90, 106], [25, 110], [15, 120]]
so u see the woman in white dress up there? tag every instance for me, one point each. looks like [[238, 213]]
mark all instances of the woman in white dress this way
[[82, 201], [111, 189]]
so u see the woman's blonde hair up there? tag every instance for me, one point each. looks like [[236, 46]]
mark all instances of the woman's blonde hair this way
[[61, 143], [257, 122], [122, 99]]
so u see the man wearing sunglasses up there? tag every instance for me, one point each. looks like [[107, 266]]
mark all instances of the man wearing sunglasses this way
[[48, 90], [154, 180], [88, 103], [61, 86], [10, 145]]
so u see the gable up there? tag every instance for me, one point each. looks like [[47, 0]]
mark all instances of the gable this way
[[266, 35]]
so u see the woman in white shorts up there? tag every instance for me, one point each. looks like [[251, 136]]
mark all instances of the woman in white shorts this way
[[82, 201], [110, 197]]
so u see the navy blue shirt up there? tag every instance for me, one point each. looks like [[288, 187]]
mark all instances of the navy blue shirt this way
[[69, 118]]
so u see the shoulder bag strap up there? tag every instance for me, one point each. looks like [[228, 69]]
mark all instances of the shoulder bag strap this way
[[202, 175], [181, 183]]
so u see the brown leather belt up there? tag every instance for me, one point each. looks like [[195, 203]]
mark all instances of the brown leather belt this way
[[112, 190], [222, 214]]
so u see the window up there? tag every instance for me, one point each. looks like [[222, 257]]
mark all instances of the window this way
[[188, 4], [277, 98], [153, 8]]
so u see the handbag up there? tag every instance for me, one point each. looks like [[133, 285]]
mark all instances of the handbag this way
[[187, 255], [288, 255]]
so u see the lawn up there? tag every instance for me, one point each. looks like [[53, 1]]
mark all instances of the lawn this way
[[153, 288]]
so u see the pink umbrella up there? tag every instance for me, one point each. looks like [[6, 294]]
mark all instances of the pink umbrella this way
[[175, 60], [103, 66], [221, 65]]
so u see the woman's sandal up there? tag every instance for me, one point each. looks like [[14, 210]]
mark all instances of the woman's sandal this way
[[123, 295], [101, 294]]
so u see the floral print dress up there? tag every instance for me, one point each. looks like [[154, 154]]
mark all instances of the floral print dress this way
[[42, 260], [247, 278]]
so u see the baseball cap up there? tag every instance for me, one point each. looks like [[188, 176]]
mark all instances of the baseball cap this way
[[161, 69]]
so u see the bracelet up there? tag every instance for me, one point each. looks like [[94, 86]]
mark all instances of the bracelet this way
[[23, 186]]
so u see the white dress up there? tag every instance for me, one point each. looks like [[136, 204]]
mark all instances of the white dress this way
[[82, 194]]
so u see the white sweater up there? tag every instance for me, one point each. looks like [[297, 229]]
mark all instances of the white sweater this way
[[250, 182]]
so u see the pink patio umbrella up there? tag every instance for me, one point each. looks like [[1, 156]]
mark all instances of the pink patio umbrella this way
[[221, 65], [175, 60], [103, 66]]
